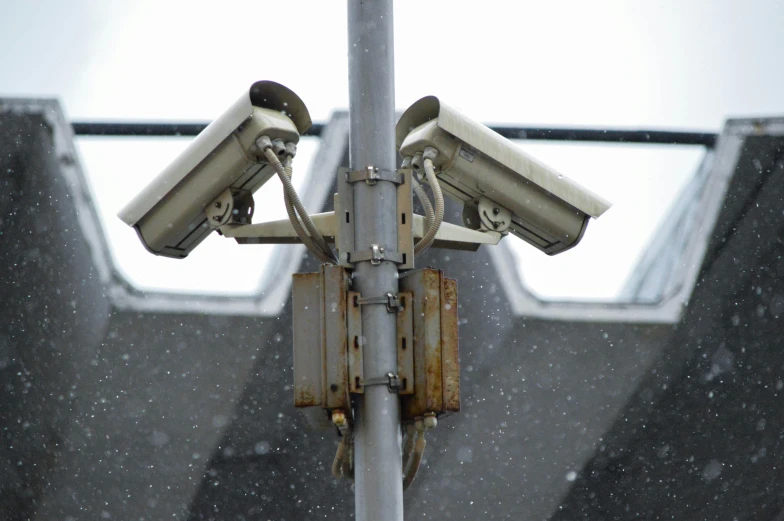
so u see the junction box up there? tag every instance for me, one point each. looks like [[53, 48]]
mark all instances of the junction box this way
[[329, 345]]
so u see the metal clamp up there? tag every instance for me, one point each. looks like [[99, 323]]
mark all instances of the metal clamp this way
[[375, 255], [371, 175], [403, 248], [391, 301], [391, 380]]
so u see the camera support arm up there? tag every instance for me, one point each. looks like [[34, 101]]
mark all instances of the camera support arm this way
[[449, 236]]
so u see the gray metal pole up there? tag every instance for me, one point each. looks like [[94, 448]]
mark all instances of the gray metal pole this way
[[377, 465]]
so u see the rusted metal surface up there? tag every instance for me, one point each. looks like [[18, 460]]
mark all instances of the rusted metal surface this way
[[308, 352], [356, 373], [328, 342], [432, 347], [333, 318], [405, 341], [450, 358], [405, 220], [428, 396]]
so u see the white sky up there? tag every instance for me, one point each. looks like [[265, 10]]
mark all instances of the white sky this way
[[667, 64]]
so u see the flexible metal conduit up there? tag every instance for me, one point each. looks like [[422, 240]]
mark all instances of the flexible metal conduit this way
[[316, 243], [432, 180]]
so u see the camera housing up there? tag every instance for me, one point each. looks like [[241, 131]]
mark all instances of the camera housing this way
[[493, 178], [169, 214]]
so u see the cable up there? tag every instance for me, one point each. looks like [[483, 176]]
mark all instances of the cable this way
[[426, 205], [343, 464], [295, 222], [348, 460], [413, 451], [416, 456], [320, 249], [432, 180], [342, 456], [408, 448], [409, 162]]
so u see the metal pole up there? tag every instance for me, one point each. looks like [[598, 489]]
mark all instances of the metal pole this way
[[377, 465]]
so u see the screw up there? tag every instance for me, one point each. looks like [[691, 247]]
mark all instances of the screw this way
[[333, 388], [496, 211], [216, 218], [217, 205]]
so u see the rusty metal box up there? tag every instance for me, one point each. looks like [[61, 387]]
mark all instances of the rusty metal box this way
[[436, 379], [320, 338]]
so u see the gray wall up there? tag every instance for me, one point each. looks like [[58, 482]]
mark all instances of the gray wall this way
[[702, 436], [54, 313]]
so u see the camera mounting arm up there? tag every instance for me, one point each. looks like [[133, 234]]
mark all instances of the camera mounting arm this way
[[449, 236], [280, 231]]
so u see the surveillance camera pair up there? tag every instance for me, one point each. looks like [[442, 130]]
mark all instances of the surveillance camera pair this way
[[210, 185]]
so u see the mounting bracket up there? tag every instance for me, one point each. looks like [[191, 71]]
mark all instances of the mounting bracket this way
[[449, 235], [371, 175], [375, 255], [344, 210]]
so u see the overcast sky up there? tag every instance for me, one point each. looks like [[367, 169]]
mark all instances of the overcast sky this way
[[670, 64]]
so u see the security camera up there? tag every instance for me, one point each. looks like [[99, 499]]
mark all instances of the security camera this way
[[218, 172], [502, 188]]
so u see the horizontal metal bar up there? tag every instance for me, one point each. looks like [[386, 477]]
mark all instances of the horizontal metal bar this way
[[660, 137], [86, 128], [665, 137]]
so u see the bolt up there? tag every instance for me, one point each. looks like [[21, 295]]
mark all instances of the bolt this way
[[496, 211], [217, 204], [333, 388], [216, 218]]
